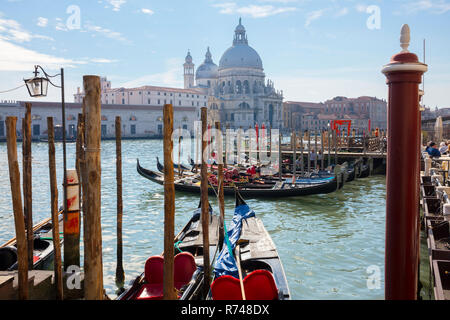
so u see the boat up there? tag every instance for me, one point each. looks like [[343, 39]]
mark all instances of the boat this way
[[188, 264], [175, 166], [248, 264], [364, 170], [251, 190], [43, 252]]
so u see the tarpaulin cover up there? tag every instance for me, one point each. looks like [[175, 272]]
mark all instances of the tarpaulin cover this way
[[225, 262]]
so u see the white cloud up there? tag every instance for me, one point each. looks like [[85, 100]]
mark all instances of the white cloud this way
[[12, 30], [16, 58], [103, 60], [42, 22], [106, 32], [116, 4], [147, 11], [254, 11], [313, 15], [342, 12], [172, 77], [433, 6]]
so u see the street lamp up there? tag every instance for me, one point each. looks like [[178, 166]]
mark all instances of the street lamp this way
[[38, 87]]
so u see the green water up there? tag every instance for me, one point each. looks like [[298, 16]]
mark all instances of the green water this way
[[326, 242]]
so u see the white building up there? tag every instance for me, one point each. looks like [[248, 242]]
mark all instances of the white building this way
[[138, 121], [235, 92]]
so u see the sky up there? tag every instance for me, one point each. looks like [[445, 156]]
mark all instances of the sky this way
[[313, 50]]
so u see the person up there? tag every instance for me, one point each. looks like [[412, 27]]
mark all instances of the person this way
[[443, 147], [433, 150]]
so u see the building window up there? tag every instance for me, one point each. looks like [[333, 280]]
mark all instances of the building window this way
[[131, 93], [165, 94], [133, 118], [133, 129], [2, 128], [123, 101], [104, 118], [179, 102], [104, 130], [148, 101], [159, 101], [36, 130], [159, 93]]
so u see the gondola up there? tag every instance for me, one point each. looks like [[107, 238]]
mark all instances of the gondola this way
[[248, 255], [43, 252], [365, 171], [175, 166], [188, 264], [279, 189], [351, 173]]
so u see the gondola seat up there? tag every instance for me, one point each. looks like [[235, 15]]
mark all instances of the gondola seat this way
[[258, 285], [184, 268], [153, 289]]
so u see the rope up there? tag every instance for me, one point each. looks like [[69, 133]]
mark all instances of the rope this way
[[6, 91]]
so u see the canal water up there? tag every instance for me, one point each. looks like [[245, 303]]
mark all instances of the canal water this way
[[331, 246]]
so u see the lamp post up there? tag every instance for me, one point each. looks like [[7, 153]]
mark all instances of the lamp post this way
[[38, 87]]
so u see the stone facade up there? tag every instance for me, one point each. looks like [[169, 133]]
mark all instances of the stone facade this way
[[317, 116], [138, 121]]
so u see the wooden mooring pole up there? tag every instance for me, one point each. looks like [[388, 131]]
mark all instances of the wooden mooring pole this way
[[57, 263], [120, 273], [220, 179], [19, 222], [294, 157], [27, 185], [205, 205], [169, 207], [93, 281]]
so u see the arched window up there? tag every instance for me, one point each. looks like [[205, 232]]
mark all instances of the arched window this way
[[244, 105], [238, 87], [246, 87]]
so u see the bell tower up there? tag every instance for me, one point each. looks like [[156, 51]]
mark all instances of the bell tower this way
[[188, 72]]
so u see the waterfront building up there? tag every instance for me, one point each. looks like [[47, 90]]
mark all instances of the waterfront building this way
[[317, 116], [138, 121]]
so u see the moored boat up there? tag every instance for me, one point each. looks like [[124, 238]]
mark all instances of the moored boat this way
[[248, 266], [251, 190], [43, 249], [188, 264]]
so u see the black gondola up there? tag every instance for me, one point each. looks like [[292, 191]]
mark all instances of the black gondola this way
[[160, 166], [248, 255], [279, 189], [189, 246], [43, 252]]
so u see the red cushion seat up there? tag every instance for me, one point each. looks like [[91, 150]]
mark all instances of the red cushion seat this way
[[184, 268], [258, 285]]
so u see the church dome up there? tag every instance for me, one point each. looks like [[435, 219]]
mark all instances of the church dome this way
[[208, 69], [240, 55]]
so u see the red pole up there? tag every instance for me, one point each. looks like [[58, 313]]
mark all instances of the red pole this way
[[403, 75]]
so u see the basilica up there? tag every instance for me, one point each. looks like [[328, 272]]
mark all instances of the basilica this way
[[235, 92], [238, 93]]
